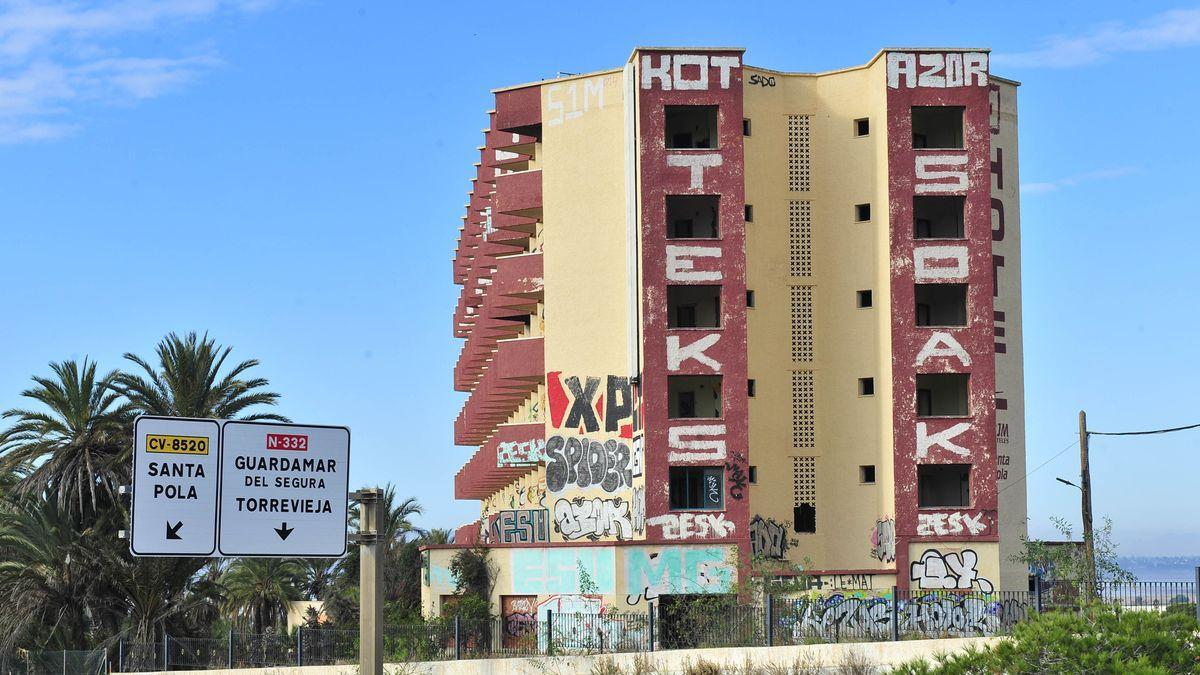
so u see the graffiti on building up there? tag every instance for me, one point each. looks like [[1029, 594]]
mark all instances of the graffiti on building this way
[[940, 263], [683, 72], [831, 617], [544, 571], [587, 625], [942, 344], [679, 354], [692, 525], [761, 80], [638, 509], [910, 70], [654, 571], [520, 616], [883, 540], [842, 582], [525, 526], [955, 523], [768, 538], [696, 443], [735, 476], [520, 453], [581, 518], [941, 174], [951, 570], [569, 101], [531, 494], [943, 439], [682, 260], [574, 460], [583, 406]]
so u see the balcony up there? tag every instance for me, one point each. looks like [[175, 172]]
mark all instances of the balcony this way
[[519, 194], [519, 110], [516, 369], [512, 295], [484, 473]]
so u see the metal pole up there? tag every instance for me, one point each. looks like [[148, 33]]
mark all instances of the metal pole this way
[[650, 617], [770, 619], [550, 632], [895, 613], [1037, 591], [121, 655], [299, 646], [370, 596], [1196, 596], [1085, 485], [166, 661], [457, 638], [229, 649]]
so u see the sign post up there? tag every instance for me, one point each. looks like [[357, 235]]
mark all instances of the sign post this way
[[370, 590], [283, 490], [175, 484]]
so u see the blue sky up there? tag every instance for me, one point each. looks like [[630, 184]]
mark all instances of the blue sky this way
[[289, 176]]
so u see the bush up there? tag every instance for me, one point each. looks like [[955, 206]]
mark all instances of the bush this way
[[1098, 639]]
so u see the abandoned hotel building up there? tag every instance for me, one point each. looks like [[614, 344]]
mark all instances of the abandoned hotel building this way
[[717, 317]]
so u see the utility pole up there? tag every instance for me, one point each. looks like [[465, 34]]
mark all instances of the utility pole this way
[[370, 588], [1085, 489]]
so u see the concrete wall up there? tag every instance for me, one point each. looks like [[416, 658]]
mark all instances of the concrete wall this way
[[879, 655]]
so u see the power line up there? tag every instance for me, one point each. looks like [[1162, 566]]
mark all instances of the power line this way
[[1142, 433], [1039, 466]]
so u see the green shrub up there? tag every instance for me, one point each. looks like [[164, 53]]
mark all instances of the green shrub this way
[[1097, 639]]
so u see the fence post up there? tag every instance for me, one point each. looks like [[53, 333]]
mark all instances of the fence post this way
[[1196, 596], [895, 613], [770, 619], [229, 649], [457, 639], [1037, 591], [299, 645], [166, 661], [121, 655], [650, 614], [550, 632], [64, 670]]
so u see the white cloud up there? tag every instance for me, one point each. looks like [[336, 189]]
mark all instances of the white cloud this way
[[58, 57], [1076, 179], [1166, 30]]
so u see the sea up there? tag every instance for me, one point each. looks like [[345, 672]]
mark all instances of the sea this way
[[1161, 568]]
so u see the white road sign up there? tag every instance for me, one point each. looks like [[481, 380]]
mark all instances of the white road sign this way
[[175, 475], [283, 490]]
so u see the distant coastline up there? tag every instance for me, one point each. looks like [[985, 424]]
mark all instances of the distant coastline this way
[[1161, 568]]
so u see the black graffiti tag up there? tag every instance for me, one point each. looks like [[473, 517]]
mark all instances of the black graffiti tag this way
[[737, 480], [581, 405], [584, 463]]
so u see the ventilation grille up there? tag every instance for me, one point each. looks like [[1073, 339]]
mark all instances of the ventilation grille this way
[[800, 238], [804, 425], [802, 323], [804, 480], [799, 157]]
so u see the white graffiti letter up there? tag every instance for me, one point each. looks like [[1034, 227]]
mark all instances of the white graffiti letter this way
[[680, 267], [682, 60], [705, 449], [901, 64], [725, 63], [942, 344], [698, 163], [957, 179], [676, 354], [924, 257], [662, 72], [925, 441], [975, 63]]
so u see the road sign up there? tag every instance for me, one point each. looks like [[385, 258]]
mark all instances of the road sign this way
[[283, 490], [175, 478]]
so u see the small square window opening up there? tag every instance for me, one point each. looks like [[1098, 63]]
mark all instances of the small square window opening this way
[[864, 299], [866, 474], [866, 386], [862, 126], [862, 212]]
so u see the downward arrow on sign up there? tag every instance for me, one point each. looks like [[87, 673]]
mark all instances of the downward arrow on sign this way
[[284, 531], [173, 530]]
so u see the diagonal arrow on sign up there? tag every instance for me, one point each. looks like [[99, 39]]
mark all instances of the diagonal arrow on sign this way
[[173, 530], [284, 531]]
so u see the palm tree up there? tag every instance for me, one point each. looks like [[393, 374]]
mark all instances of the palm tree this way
[[258, 590], [45, 577], [75, 442], [188, 382], [317, 575], [436, 536]]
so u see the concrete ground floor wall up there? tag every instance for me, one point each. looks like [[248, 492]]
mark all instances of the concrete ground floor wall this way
[[879, 656]]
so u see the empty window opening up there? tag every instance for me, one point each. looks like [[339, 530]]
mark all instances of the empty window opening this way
[[692, 216], [862, 126], [941, 304], [805, 517], [694, 396], [864, 299], [750, 388], [745, 127], [940, 485], [749, 213], [937, 126], [866, 474], [749, 298], [866, 386], [693, 306], [804, 494], [691, 126], [862, 212], [697, 487], [943, 395], [938, 217], [753, 474]]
